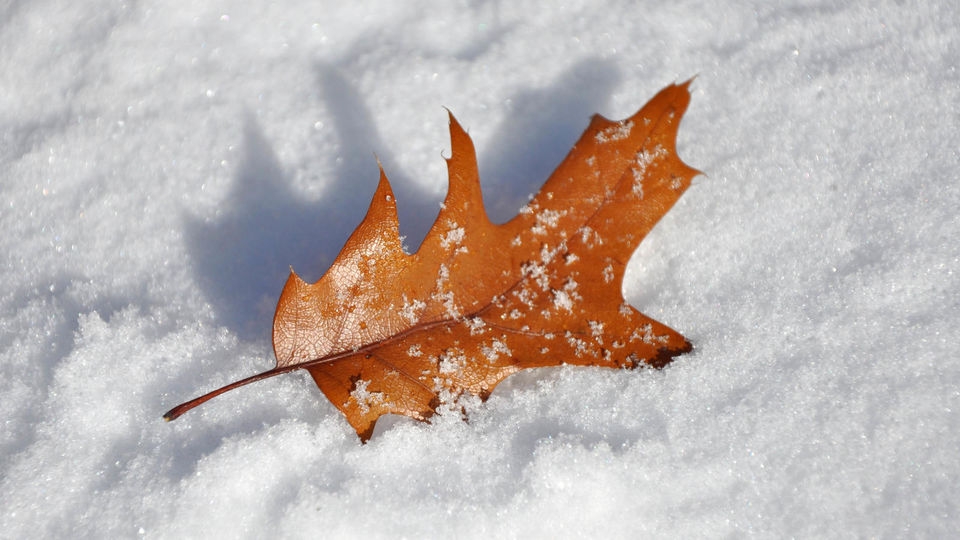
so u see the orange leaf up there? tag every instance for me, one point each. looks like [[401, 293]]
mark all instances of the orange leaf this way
[[388, 332]]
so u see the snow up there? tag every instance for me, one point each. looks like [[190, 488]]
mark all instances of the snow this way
[[616, 132], [162, 165]]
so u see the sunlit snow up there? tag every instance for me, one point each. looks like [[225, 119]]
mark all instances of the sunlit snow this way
[[163, 165]]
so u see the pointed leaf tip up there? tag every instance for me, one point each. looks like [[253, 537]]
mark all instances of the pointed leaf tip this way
[[452, 120], [461, 145], [464, 198]]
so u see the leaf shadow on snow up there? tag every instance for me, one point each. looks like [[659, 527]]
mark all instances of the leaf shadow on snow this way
[[241, 259], [360, 143], [542, 126]]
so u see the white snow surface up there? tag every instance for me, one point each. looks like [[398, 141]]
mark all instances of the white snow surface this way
[[163, 164]]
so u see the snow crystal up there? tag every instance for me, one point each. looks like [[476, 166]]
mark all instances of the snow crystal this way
[[450, 307], [589, 237], [446, 298], [443, 275], [570, 286], [365, 398], [537, 272], [453, 236], [496, 348], [475, 324], [579, 346], [546, 220], [452, 361], [411, 310], [607, 273], [644, 159], [621, 130], [596, 328], [562, 300], [525, 296], [646, 335], [547, 253]]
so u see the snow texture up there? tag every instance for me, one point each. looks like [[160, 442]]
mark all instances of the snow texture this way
[[162, 164]]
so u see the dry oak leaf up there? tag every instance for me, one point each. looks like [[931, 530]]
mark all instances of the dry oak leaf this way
[[385, 332]]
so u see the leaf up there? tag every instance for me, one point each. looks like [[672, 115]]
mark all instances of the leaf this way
[[386, 332]]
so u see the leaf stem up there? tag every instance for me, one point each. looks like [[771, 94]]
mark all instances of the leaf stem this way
[[175, 412]]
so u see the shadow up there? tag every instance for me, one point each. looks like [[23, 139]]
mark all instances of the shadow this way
[[241, 259], [360, 147], [493, 35], [542, 127]]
